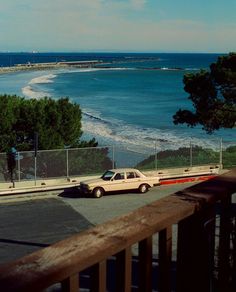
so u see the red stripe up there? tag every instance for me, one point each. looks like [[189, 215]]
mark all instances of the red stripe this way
[[185, 180]]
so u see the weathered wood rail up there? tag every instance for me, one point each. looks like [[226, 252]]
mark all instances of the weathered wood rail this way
[[193, 209]]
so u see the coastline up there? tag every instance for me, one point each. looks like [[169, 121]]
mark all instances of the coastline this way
[[134, 89]]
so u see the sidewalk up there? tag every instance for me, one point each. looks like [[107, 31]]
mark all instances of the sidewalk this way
[[167, 176]]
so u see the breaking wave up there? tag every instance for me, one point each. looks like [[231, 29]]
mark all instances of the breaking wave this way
[[30, 92], [136, 138], [43, 79]]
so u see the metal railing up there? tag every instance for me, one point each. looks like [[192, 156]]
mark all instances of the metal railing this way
[[88, 253], [67, 163]]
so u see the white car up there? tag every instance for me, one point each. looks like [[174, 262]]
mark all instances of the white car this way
[[118, 180]]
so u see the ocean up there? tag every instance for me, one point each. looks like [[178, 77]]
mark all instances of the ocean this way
[[128, 101]]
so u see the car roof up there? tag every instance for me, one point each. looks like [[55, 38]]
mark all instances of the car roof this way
[[123, 169]]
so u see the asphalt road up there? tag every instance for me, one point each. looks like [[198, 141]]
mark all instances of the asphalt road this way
[[27, 223]]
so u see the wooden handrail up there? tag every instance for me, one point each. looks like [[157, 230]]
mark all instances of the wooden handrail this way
[[61, 262]]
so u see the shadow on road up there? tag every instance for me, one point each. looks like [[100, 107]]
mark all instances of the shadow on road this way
[[73, 193]]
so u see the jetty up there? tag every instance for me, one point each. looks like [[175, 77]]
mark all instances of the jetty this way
[[50, 65]]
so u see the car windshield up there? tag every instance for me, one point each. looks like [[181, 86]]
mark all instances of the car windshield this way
[[107, 175]]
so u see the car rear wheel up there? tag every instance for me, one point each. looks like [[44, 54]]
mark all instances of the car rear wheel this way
[[98, 192], [143, 188]]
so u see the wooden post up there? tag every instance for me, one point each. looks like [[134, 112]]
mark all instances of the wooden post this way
[[70, 284], [195, 252], [165, 253], [234, 253], [123, 273], [145, 265], [98, 277], [224, 244]]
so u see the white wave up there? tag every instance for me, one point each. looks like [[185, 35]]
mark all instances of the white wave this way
[[43, 79], [121, 68], [85, 70], [135, 138], [192, 69], [82, 70], [31, 89], [92, 113], [29, 92], [165, 68]]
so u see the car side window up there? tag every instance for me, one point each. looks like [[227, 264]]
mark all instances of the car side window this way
[[136, 174], [119, 176], [130, 175], [107, 175]]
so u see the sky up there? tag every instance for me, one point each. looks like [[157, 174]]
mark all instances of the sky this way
[[118, 25]]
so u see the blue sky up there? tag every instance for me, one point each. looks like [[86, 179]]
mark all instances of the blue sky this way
[[118, 25]]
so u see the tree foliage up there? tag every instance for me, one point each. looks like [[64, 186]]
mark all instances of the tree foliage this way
[[181, 158], [213, 94], [57, 122]]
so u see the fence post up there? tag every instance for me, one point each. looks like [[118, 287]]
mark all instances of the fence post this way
[[35, 170], [191, 154], [156, 155], [36, 138], [221, 154], [113, 156], [18, 165], [67, 164]]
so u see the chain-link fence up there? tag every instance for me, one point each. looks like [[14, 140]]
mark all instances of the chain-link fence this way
[[67, 163], [229, 154]]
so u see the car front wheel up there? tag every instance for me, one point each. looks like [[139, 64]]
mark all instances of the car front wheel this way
[[98, 192], [143, 188]]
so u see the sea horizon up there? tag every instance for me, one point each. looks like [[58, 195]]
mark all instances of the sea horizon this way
[[110, 51]]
